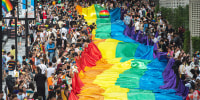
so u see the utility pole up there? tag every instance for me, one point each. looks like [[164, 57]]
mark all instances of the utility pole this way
[[16, 49], [26, 28], [1, 47]]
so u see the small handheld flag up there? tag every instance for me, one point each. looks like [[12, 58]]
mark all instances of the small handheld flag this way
[[168, 54]]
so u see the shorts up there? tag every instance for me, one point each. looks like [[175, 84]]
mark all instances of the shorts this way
[[6, 69], [11, 73], [19, 39]]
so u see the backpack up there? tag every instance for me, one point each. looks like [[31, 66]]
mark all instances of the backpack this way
[[10, 81]]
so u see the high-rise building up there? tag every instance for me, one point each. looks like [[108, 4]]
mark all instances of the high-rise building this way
[[173, 3], [194, 18], [155, 1]]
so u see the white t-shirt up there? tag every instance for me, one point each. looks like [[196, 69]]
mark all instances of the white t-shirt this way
[[63, 30], [43, 67], [198, 77], [42, 36], [58, 61], [137, 25], [54, 30], [24, 95], [7, 59], [188, 68], [155, 40], [74, 38], [49, 33], [182, 69], [140, 12], [77, 50], [169, 37], [64, 38], [77, 33], [50, 71], [177, 54], [60, 23]]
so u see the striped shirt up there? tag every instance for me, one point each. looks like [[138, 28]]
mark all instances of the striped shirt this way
[[11, 65]]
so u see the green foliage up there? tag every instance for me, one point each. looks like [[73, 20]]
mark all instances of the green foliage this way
[[186, 44], [195, 43], [157, 8], [177, 17]]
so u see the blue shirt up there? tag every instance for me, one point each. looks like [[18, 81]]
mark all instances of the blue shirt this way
[[127, 20], [19, 97], [145, 26], [38, 62], [50, 46]]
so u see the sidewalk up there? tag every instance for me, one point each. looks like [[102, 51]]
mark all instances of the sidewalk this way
[[21, 50]]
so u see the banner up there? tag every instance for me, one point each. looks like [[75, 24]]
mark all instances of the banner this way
[[31, 9], [22, 8]]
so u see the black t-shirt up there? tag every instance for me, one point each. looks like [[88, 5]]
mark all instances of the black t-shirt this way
[[67, 24], [163, 47], [75, 54], [40, 80], [41, 15], [73, 23], [152, 14], [148, 14], [65, 44], [19, 33], [59, 42], [24, 63]]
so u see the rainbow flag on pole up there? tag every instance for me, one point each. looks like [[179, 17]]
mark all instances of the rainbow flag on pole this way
[[6, 5], [115, 67]]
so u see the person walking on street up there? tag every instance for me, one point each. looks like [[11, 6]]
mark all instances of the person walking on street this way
[[11, 66], [40, 83], [51, 49]]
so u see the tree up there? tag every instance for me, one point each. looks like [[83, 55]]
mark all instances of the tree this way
[[195, 43], [177, 17], [186, 44], [180, 17], [157, 8]]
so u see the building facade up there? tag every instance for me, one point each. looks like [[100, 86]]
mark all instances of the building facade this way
[[194, 18], [173, 3], [155, 1]]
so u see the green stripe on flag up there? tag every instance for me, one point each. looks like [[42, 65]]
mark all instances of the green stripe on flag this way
[[98, 8], [131, 79], [103, 30], [126, 49], [136, 94]]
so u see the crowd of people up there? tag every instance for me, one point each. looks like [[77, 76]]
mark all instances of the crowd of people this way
[[59, 35]]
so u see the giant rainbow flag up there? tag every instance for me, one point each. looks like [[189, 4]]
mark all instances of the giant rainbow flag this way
[[116, 67], [6, 5]]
